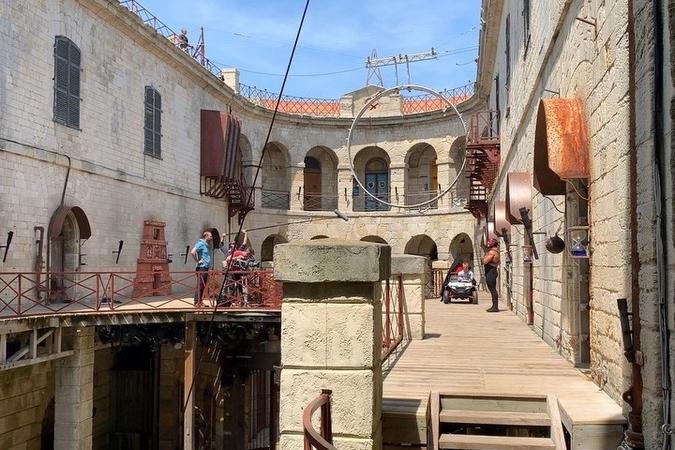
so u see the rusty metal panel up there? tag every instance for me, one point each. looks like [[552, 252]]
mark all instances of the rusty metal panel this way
[[500, 220], [518, 195], [561, 144], [220, 154], [56, 223]]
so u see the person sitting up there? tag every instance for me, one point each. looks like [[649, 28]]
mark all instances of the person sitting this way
[[466, 274]]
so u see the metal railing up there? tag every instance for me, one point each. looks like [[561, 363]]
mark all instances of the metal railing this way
[[428, 102], [43, 294], [412, 198], [392, 314], [323, 439], [306, 106], [319, 202], [483, 128], [363, 202], [438, 276], [160, 27], [275, 199]]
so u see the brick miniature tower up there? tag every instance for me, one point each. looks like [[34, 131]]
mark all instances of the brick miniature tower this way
[[152, 268]]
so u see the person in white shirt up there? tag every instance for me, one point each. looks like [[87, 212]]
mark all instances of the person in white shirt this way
[[465, 274]]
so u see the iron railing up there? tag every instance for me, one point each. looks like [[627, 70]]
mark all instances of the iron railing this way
[[275, 199], [149, 19], [429, 102], [42, 294], [323, 439], [319, 202], [412, 198], [392, 317], [483, 128], [363, 202]]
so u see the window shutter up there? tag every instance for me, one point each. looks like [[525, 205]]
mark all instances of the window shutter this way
[[67, 60]]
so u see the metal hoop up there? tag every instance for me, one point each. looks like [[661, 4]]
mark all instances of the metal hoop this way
[[367, 106]]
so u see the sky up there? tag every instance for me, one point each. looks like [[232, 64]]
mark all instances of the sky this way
[[256, 37]]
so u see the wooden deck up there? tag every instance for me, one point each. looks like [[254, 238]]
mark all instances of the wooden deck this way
[[467, 350]]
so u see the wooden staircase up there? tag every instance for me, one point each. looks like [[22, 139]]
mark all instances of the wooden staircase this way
[[494, 422]]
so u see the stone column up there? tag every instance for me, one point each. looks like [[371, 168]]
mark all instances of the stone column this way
[[413, 272], [397, 185], [74, 394], [331, 337], [344, 180], [297, 176], [443, 168]]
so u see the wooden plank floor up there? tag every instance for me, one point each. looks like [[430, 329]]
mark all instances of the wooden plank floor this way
[[467, 350]]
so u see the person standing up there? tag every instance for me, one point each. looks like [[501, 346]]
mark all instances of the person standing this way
[[201, 253], [491, 263]]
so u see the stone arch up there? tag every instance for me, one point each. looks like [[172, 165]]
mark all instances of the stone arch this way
[[275, 177], [461, 247], [248, 165], [371, 165], [457, 154], [267, 248], [318, 236], [374, 238], [421, 173], [320, 179], [422, 245]]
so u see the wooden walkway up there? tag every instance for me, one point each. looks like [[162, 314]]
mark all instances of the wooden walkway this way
[[467, 350]]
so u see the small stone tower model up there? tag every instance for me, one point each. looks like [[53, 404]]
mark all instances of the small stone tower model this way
[[152, 268]]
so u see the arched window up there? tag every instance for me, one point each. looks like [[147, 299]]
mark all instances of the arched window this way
[[66, 82]]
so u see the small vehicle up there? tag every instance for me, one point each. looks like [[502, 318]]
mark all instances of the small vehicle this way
[[460, 289], [455, 288]]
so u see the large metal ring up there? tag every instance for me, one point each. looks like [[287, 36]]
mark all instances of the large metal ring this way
[[366, 107]]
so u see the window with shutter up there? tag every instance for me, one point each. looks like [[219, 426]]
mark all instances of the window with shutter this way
[[153, 123], [67, 66]]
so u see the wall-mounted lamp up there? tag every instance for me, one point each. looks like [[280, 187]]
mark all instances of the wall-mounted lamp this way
[[118, 251], [525, 218], [187, 252], [10, 235], [579, 240]]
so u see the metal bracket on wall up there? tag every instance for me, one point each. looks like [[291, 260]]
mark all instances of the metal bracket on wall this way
[[10, 234], [44, 344]]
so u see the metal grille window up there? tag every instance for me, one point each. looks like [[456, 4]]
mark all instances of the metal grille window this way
[[66, 82], [153, 123]]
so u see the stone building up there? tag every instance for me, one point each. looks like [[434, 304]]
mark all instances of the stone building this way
[[576, 86], [112, 164]]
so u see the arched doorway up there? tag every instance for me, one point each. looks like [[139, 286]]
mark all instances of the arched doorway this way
[[68, 229], [461, 248], [371, 165], [275, 184], [421, 180], [423, 245], [312, 184], [267, 249], [374, 238], [320, 180]]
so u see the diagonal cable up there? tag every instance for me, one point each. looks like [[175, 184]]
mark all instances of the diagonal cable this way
[[248, 202]]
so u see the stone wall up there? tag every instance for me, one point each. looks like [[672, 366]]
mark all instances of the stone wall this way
[[25, 397], [112, 179], [103, 363], [564, 56]]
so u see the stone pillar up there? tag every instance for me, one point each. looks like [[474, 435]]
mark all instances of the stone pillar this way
[[297, 175], [331, 337], [413, 270], [397, 185], [443, 168], [344, 181], [231, 78], [74, 394]]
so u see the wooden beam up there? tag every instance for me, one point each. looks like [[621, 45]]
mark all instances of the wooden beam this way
[[188, 377]]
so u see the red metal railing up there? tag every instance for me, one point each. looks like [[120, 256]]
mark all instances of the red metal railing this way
[[322, 440], [429, 102], [42, 294], [392, 315]]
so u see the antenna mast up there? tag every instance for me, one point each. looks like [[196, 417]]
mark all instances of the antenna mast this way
[[373, 63]]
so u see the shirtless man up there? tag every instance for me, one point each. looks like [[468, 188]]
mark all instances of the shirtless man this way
[[491, 263]]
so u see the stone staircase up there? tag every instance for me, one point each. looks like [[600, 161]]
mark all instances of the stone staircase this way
[[494, 422]]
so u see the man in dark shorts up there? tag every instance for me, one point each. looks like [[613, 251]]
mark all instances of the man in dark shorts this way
[[491, 263]]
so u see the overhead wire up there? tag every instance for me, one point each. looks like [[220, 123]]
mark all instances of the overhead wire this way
[[209, 331]]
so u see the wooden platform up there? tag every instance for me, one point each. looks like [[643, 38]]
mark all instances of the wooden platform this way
[[467, 350]]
